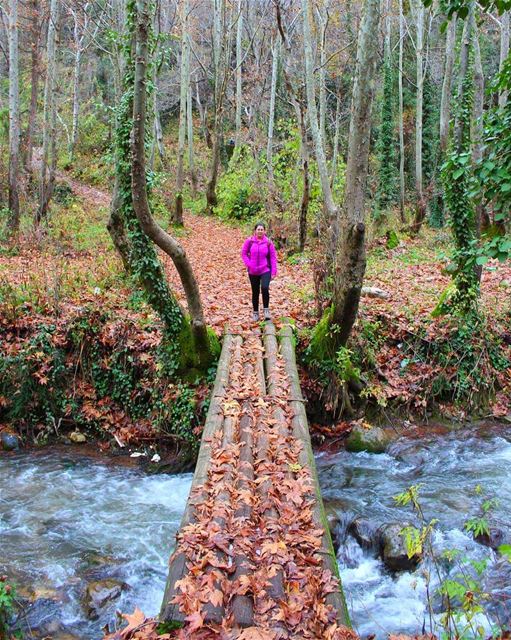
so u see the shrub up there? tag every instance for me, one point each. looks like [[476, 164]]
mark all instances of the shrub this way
[[237, 197]]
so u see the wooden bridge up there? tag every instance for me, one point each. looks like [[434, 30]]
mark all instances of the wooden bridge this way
[[254, 557]]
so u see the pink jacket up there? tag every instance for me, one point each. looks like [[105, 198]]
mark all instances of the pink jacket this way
[[259, 256]]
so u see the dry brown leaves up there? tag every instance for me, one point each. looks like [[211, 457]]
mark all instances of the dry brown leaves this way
[[254, 534]]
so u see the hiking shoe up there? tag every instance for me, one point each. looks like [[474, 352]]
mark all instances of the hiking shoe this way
[[255, 316], [267, 314]]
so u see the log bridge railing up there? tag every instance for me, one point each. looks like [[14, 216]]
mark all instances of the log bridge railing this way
[[248, 542]]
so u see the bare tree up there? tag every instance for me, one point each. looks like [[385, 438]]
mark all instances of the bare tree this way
[[185, 82], [222, 34], [419, 53], [49, 152], [350, 258], [271, 112], [36, 29], [84, 34], [301, 117], [139, 189], [189, 120], [14, 118], [319, 142], [239, 60], [401, 115]]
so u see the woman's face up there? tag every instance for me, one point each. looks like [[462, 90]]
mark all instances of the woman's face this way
[[259, 231]]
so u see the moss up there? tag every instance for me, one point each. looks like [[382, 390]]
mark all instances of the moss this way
[[373, 440], [192, 363], [321, 347], [392, 239]]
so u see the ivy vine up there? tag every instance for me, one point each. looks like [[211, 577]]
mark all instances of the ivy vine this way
[[143, 262]]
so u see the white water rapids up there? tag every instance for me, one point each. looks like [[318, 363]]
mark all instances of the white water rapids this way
[[66, 520]]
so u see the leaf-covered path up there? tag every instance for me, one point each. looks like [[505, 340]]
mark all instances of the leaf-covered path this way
[[214, 250]]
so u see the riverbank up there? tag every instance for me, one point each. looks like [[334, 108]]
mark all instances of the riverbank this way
[[80, 348]]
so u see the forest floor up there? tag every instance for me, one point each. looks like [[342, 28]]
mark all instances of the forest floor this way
[[74, 264]]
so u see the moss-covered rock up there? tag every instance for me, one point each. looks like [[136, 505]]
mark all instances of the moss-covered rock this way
[[368, 438], [394, 553]]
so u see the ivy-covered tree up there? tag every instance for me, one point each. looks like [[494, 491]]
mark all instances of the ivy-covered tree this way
[[430, 147], [458, 182], [187, 342], [386, 192], [494, 173]]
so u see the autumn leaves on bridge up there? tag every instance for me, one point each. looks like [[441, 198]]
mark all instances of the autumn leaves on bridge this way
[[254, 559]]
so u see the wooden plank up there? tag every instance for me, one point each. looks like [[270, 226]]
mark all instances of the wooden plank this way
[[301, 432], [214, 420], [271, 348], [242, 606], [276, 588]]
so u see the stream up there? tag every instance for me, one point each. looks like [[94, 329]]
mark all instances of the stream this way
[[68, 522]]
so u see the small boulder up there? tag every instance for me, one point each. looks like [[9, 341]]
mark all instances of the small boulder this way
[[334, 522], [493, 539], [95, 566], [368, 438], [497, 583], [365, 533], [100, 593], [9, 441], [393, 548], [77, 437]]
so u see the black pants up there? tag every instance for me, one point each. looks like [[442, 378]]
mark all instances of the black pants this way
[[262, 283]]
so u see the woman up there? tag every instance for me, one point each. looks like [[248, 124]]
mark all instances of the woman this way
[[260, 258]]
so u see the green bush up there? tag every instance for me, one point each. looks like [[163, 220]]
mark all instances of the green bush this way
[[237, 197]]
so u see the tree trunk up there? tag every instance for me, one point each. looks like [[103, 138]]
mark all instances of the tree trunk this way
[[185, 81], [139, 188], [401, 116], [76, 88], [191, 163], [504, 51], [211, 199], [450, 46], [35, 72], [322, 75], [221, 49], [304, 205], [49, 156], [419, 104], [271, 114], [350, 261], [299, 109], [335, 154], [158, 131], [14, 119], [478, 128], [319, 148], [239, 56]]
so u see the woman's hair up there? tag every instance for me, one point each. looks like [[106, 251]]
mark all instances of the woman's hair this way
[[260, 224]]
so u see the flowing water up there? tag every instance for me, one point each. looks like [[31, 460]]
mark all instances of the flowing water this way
[[449, 468], [66, 521]]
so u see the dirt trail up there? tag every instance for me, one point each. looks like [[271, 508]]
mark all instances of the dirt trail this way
[[214, 249]]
